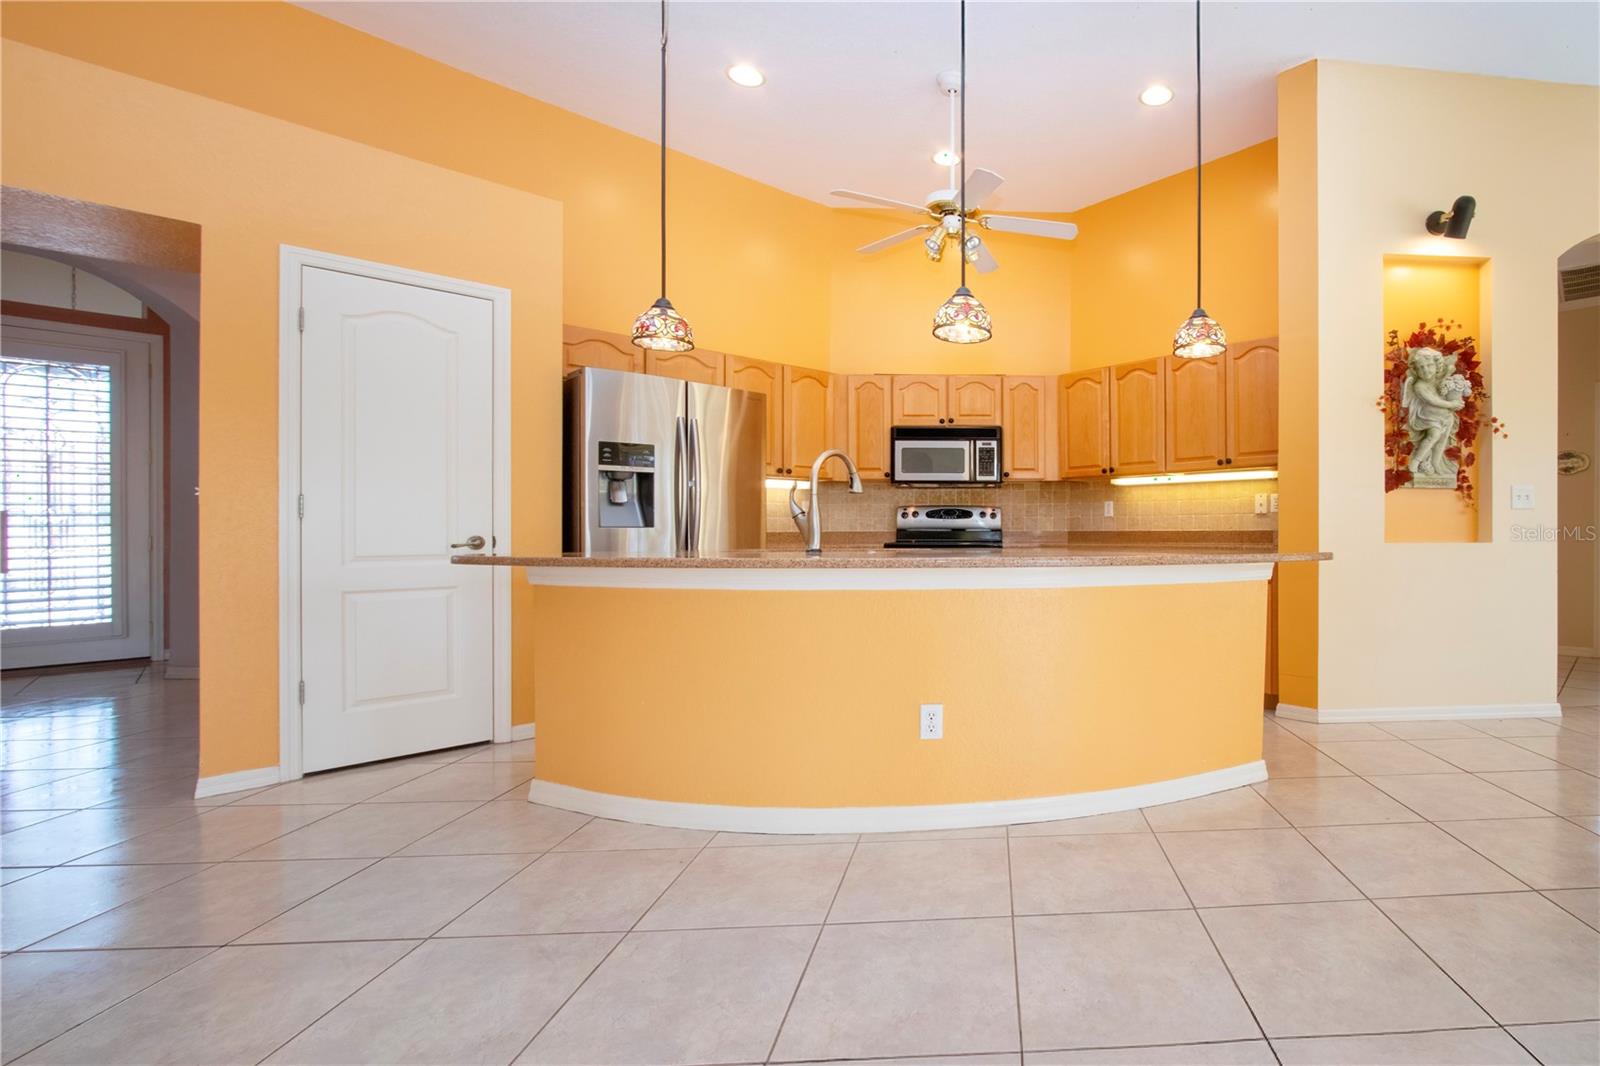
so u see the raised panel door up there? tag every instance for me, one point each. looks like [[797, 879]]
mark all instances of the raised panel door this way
[[1252, 383], [1195, 395], [919, 400], [1084, 407], [700, 365], [582, 347], [1137, 418], [1024, 428], [868, 415], [808, 396], [755, 375], [973, 401]]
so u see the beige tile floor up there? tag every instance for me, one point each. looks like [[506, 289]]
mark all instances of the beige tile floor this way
[[1417, 892]]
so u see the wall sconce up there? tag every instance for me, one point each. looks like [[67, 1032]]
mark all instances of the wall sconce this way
[[1454, 222]]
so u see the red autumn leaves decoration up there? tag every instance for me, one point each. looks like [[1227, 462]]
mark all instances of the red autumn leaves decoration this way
[[1397, 444]]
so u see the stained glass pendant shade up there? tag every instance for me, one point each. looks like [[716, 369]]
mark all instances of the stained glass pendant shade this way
[[662, 329], [1199, 338], [1202, 336], [962, 319]]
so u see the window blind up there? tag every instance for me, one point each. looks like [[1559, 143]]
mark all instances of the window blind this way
[[56, 489]]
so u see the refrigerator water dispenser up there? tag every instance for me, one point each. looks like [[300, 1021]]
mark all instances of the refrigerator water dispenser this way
[[628, 473]]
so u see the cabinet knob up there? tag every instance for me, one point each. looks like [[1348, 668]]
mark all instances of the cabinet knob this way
[[1102, 470], [1006, 474], [887, 474], [1219, 462], [1230, 462]]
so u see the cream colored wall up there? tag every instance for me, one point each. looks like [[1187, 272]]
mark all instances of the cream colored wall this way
[[1578, 339], [1415, 625]]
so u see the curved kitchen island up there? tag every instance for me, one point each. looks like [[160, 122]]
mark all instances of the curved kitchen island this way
[[774, 691]]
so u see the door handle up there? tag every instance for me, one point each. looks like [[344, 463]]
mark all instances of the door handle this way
[[475, 543]]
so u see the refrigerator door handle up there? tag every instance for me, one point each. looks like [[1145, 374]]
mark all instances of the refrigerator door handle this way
[[680, 516], [695, 486]]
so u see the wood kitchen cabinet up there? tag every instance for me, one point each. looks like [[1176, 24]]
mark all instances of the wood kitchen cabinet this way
[[697, 365], [973, 400], [1195, 394], [807, 420], [919, 400], [866, 411], [1026, 428], [1083, 405], [1137, 418], [756, 375], [1252, 403], [592, 347]]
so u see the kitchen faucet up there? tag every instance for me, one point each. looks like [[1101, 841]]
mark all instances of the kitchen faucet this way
[[811, 525]]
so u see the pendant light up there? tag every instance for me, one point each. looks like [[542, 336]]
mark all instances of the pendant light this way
[[661, 327], [963, 319], [1201, 336]]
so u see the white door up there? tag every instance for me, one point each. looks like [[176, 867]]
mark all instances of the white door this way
[[75, 534], [397, 466]]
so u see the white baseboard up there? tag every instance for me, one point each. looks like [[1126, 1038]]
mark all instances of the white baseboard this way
[[889, 819], [1581, 653], [523, 731], [180, 673], [239, 781], [1417, 714]]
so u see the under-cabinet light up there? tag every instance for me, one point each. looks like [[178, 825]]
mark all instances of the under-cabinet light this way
[[1205, 475]]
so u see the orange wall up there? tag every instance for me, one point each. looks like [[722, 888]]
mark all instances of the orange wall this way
[[1133, 261], [253, 183], [744, 255]]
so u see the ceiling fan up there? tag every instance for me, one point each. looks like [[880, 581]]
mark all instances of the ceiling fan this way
[[944, 209]]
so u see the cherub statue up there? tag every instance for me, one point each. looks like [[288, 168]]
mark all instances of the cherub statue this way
[[1432, 396]]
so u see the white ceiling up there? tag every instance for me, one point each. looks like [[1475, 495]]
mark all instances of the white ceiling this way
[[851, 102]]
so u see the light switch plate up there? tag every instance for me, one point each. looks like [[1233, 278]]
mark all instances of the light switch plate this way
[[1522, 497], [1110, 508], [1272, 506]]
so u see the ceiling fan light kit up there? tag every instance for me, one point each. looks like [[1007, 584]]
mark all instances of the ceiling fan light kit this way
[[661, 328], [1201, 336]]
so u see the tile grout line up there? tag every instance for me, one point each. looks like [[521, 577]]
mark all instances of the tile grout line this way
[[772, 1049], [1016, 958], [1215, 949], [610, 951]]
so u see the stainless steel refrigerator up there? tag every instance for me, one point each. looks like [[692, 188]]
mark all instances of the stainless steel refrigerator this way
[[657, 466]]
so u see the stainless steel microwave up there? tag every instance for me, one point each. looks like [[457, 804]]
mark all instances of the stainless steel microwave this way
[[959, 455]]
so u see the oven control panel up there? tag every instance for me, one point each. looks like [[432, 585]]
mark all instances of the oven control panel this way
[[947, 516]]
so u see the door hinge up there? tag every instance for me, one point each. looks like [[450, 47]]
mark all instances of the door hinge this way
[[302, 693], [301, 506], [302, 320]]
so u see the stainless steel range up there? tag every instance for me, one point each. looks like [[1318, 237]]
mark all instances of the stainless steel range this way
[[919, 526]]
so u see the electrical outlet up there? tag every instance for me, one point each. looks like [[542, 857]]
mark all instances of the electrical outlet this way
[[1272, 505], [1522, 497], [1261, 503], [1110, 509], [931, 721]]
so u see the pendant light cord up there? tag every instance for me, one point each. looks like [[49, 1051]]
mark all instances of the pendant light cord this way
[[663, 149], [1198, 187], [961, 154]]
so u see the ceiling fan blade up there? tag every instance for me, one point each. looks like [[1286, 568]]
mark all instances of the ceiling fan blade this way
[[1033, 227], [879, 201], [981, 185], [889, 242], [983, 261]]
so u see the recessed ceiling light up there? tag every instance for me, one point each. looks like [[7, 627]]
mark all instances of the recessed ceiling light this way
[[746, 75], [1155, 96], [946, 158]]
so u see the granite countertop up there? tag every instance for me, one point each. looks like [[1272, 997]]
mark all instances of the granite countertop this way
[[853, 557]]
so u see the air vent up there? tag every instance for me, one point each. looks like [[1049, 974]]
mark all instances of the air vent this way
[[1580, 283]]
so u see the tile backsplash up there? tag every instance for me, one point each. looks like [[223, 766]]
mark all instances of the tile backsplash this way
[[1044, 507]]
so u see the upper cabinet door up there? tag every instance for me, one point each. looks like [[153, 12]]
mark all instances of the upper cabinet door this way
[[808, 406], [972, 401], [1252, 381], [754, 375], [699, 365], [1196, 399], [1025, 428], [919, 400], [1136, 418], [590, 347], [868, 407], [1084, 408]]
